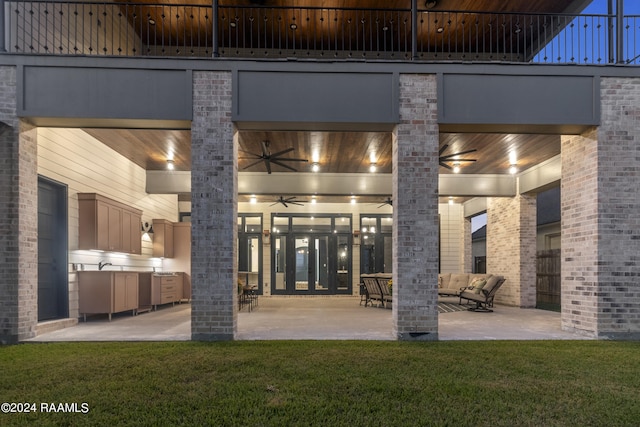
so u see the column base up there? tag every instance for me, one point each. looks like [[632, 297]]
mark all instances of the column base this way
[[211, 337], [417, 336]]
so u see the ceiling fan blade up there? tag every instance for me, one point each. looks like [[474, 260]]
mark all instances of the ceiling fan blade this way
[[463, 160], [252, 164], [461, 153], [444, 147], [279, 153], [283, 165], [444, 165], [249, 152], [265, 149], [289, 160], [267, 164]]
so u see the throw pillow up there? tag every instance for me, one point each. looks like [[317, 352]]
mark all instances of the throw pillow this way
[[477, 284]]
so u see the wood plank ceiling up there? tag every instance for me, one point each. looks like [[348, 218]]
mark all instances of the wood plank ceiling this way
[[335, 152]]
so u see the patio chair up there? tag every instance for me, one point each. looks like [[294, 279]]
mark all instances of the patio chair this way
[[384, 290], [483, 297], [373, 291]]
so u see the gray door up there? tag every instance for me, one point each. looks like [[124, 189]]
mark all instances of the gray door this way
[[53, 293]]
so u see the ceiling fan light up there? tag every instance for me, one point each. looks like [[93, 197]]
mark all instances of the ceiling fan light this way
[[456, 167], [373, 168], [170, 165], [353, 200], [315, 167], [513, 169], [313, 200]]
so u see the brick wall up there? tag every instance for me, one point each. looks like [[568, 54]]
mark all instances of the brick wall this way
[[214, 189], [511, 248], [415, 213], [18, 218], [465, 238], [601, 219]]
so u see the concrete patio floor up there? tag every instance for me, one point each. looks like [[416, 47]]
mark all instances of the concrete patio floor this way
[[317, 318]]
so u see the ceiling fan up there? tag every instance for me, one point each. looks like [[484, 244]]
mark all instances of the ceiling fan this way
[[389, 202], [268, 158], [288, 201], [442, 160]]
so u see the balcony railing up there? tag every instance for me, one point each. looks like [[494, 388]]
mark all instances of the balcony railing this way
[[161, 30]]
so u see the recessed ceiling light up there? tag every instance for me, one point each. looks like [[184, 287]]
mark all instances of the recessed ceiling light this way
[[253, 200], [293, 26], [353, 200]]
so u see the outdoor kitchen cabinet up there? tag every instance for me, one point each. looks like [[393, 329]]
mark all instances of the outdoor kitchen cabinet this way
[[162, 238], [107, 292], [166, 288], [107, 225]]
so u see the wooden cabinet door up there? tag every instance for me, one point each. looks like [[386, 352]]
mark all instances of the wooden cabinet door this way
[[119, 292], [131, 291], [102, 226], [126, 238], [115, 229], [136, 234]]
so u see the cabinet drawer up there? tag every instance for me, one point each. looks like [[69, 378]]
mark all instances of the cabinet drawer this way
[[168, 297], [170, 280], [168, 288]]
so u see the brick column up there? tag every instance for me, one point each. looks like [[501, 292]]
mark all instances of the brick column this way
[[214, 190], [18, 218], [511, 248], [601, 219], [415, 211]]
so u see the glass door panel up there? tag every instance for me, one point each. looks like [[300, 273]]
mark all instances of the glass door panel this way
[[320, 266], [302, 264], [343, 263], [280, 263]]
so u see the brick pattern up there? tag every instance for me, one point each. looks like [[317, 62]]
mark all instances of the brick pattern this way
[[18, 219], [467, 255], [214, 189], [601, 219], [415, 213], [511, 248]]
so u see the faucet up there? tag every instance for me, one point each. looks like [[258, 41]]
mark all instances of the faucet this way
[[102, 265]]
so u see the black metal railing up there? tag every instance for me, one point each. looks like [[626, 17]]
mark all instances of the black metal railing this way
[[161, 30]]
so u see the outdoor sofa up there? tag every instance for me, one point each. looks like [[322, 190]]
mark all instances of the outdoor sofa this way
[[478, 288]]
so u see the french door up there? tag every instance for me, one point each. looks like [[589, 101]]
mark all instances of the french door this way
[[311, 263]]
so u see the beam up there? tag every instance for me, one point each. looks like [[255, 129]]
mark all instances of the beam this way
[[176, 182]]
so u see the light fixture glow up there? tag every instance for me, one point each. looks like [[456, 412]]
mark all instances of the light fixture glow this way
[[513, 169], [456, 167], [253, 200], [353, 200], [373, 168], [313, 200], [450, 200], [315, 167], [364, 229], [170, 164], [372, 229]]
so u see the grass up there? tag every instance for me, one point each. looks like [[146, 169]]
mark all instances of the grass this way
[[321, 383]]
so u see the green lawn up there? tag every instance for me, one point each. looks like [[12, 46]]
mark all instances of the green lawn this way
[[326, 383]]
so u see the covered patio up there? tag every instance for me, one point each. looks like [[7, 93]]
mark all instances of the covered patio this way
[[330, 318]]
